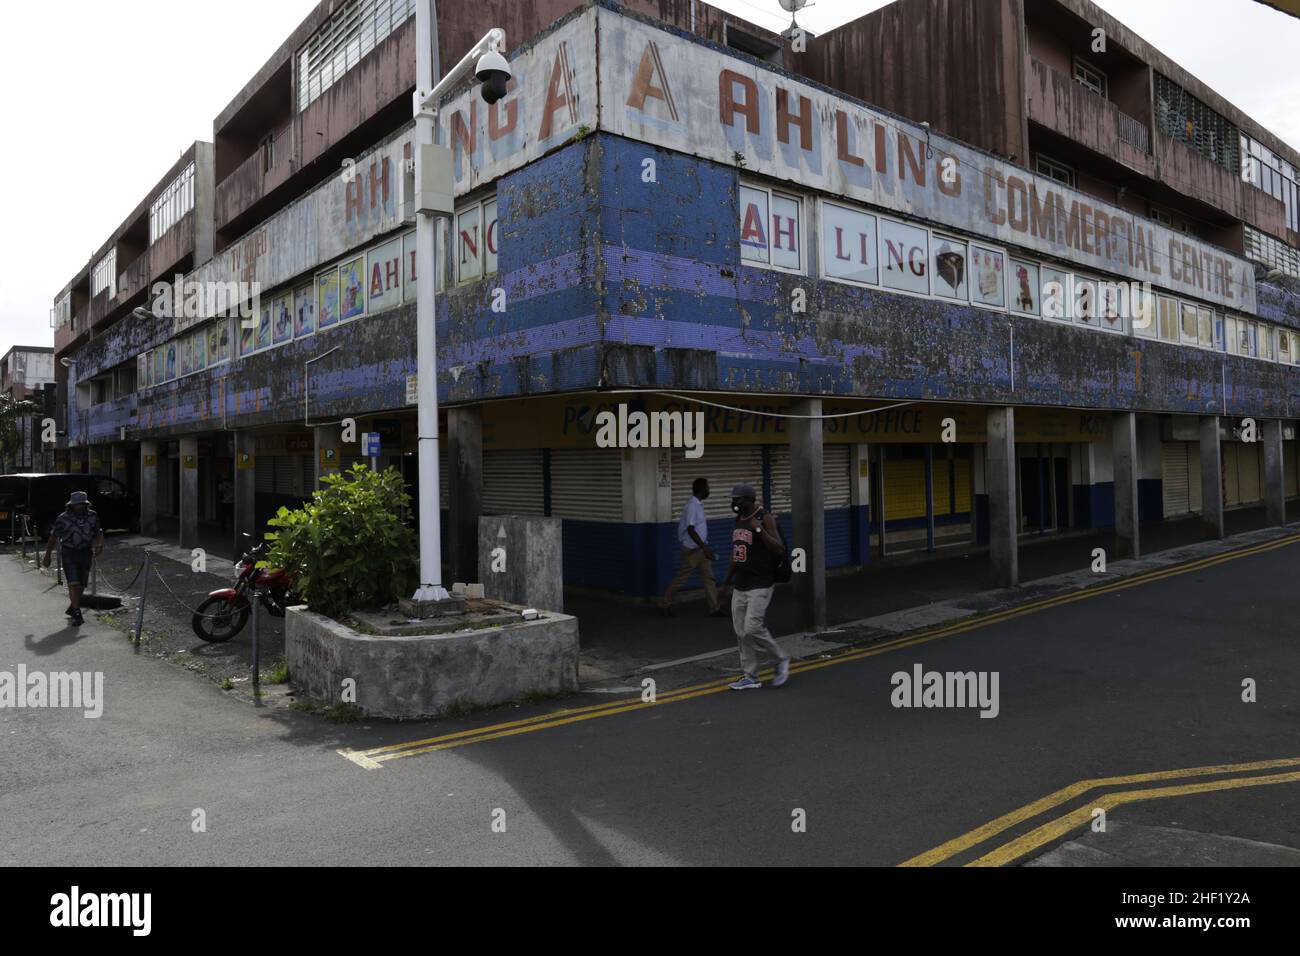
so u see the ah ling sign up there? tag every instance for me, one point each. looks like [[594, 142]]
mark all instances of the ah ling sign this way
[[660, 88]]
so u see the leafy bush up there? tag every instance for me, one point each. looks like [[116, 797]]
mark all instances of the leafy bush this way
[[348, 544]]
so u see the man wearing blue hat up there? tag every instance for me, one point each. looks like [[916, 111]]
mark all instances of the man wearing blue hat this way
[[756, 551], [80, 539]]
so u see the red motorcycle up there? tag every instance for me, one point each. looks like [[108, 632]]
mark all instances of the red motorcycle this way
[[225, 612]]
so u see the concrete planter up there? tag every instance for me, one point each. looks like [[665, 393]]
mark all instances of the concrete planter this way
[[422, 676]]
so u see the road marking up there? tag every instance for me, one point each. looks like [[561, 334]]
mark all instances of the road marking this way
[[559, 718], [358, 758], [1065, 794], [1076, 818]]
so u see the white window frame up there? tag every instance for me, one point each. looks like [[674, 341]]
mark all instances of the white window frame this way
[[821, 253], [935, 238], [1099, 87], [970, 285], [1049, 167], [1038, 292], [172, 204], [801, 226], [880, 258], [104, 274], [1067, 293], [477, 206]]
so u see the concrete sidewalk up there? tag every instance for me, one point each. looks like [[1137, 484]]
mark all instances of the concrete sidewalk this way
[[883, 600]]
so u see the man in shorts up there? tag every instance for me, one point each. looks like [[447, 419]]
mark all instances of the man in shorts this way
[[80, 540]]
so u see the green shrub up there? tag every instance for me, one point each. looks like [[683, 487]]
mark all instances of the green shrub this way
[[348, 544]]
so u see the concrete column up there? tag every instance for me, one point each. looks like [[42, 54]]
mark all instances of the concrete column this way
[[1000, 454], [860, 498], [1211, 478], [978, 493], [1124, 446], [245, 491], [329, 451], [1274, 494], [649, 561], [465, 494], [189, 517], [120, 469], [149, 487], [878, 504], [808, 501]]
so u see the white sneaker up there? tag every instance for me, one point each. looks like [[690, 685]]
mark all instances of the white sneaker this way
[[782, 672], [746, 683]]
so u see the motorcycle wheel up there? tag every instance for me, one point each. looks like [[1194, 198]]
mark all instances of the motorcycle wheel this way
[[216, 620]]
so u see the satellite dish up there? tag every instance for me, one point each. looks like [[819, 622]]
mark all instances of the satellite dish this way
[[792, 6]]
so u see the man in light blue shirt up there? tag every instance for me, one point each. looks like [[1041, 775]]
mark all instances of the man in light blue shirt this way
[[693, 537]]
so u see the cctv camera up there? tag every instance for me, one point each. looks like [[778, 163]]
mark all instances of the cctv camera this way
[[494, 73]]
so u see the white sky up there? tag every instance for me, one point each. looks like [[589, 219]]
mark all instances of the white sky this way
[[101, 99]]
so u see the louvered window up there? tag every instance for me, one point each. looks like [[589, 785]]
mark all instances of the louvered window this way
[[339, 45], [1183, 117]]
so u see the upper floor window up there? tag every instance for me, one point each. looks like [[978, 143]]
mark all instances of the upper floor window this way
[[771, 228], [1046, 166], [1267, 171], [1183, 117], [172, 204], [1271, 252], [104, 275], [356, 29], [1090, 76]]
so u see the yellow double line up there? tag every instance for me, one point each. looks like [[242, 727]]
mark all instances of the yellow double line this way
[[1082, 815], [377, 756]]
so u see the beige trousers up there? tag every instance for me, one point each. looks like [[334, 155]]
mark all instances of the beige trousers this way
[[693, 560]]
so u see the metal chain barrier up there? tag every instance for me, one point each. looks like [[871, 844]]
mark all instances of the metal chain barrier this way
[[113, 584], [194, 611]]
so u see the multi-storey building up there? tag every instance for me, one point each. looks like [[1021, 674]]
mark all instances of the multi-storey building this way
[[27, 375], [950, 272]]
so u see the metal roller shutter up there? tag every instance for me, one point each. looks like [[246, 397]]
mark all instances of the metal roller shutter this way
[[835, 477], [286, 476], [265, 468], [1248, 472], [904, 486], [587, 483], [587, 492], [513, 482], [837, 497], [1174, 480], [725, 466], [1231, 479]]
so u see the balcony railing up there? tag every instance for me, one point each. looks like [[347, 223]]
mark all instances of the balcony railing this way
[[1061, 103], [1133, 132]]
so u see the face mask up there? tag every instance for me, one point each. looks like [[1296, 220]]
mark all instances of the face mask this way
[[735, 505]]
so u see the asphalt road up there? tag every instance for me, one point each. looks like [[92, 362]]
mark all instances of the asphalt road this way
[[1143, 680]]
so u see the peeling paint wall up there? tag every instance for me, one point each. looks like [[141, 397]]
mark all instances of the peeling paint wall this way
[[610, 280]]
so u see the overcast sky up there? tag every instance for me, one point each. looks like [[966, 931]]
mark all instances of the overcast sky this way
[[101, 98]]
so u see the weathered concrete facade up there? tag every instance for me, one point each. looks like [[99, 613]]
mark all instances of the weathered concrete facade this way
[[623, 264]]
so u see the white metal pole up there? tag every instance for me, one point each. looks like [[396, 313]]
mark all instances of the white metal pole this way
[[430, 588]]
